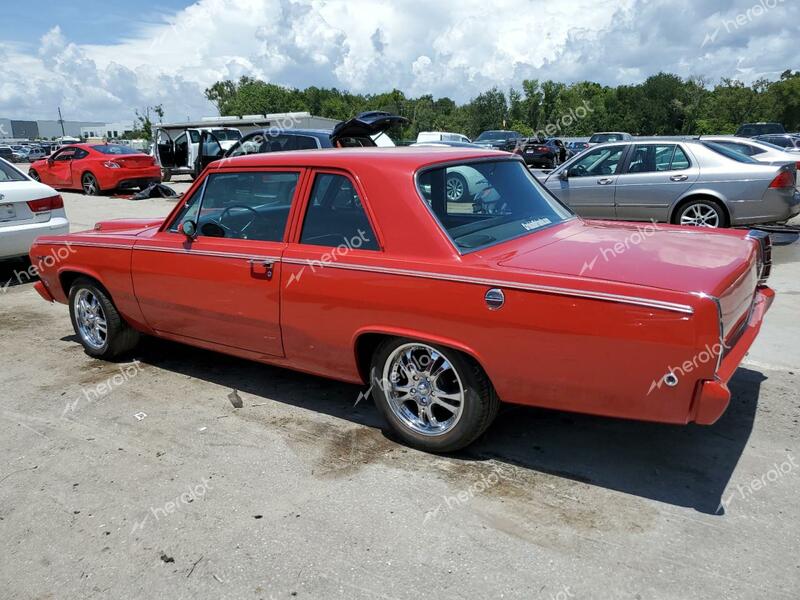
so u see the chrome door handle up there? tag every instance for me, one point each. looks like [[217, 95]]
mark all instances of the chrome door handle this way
[[605, 180], [679, 178], [266, 263]]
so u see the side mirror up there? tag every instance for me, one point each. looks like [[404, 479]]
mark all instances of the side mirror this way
[[563, 175], [188, 228]]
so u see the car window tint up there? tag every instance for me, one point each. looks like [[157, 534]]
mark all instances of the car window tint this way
[[280, 143], [189, 211], [250, 206], [650, 158], [254, 144], [679, 160], [600, 161], [335, 215], [80, 153], [305, 142], [194, 136]]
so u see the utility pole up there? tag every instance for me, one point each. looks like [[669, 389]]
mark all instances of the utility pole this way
[[61, 122]]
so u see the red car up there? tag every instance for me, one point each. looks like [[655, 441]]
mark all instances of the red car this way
[[96, 168], [353, 265]]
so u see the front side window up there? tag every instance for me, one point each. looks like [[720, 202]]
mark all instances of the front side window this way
[[600, 161], [66, 154], [248, 206], [252, 144], [336, 216], [506, 202], [305, 142]]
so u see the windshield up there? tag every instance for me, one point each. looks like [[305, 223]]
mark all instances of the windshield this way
[[227, 134], [732, 154], [599, 138], [493, 135], [115, 149], [482, 203]]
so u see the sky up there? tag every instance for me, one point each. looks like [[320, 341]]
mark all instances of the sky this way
[[102, 60]]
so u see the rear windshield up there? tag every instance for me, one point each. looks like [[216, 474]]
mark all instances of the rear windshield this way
[[481, 203], [9, 173], [115, 149], [732, 154]]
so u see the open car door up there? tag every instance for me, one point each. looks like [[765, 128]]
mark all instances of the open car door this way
[[164, 153], [361, 130], [209, 150]]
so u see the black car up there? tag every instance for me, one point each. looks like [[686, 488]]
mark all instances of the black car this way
[[756, 129], [7, 153], [499, 139], [542, 153], [787, 141]]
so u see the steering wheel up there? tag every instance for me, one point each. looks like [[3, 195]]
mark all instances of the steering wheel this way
[[579, 171], [240, 231]]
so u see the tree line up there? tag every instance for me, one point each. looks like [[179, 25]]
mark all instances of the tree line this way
[[664, 104]]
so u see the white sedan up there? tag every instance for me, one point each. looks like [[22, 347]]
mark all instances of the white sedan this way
[[28, 209]]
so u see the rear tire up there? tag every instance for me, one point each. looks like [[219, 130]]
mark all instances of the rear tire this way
[[97, 323], [90, 185], [434, 398], [166, 175], [701, 212]]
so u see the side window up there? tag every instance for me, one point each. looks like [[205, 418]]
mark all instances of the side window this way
[[245, 206], [278, 143], [601, 161], [305, 142], [189, 212], [80, 153], [679, 160], [335, 215], [194, 136], [66, 154], [651, 158], [252, 144]]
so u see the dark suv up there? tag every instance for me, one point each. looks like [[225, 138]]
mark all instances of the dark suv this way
[[756, 129], [499, 139]]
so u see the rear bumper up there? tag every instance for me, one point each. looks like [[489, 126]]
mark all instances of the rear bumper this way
[[16, 240], [128, 178], [713, 396], [776, 205]]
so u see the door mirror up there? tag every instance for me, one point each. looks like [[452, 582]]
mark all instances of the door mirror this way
[[188, 228], [563, 175]]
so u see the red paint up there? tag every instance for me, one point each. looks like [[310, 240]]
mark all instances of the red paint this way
[[555, 343]]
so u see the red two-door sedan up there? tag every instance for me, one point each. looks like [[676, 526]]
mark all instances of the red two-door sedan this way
[[95, 168], [352, 264]]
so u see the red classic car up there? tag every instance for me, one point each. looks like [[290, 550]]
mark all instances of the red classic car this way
[[354, 265], [95, 168]]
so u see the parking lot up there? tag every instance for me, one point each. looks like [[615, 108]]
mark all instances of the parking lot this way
[[140, 479]]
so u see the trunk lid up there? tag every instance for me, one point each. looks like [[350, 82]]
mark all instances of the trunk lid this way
[[133, 161], [366, 125]]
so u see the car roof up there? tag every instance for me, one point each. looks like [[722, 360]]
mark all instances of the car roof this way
[[271, 130], [407, 157]]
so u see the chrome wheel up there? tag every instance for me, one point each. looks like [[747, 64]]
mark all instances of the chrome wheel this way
[[91, 319], [423, 389], [455, 188], [700, 215], [89, 184]]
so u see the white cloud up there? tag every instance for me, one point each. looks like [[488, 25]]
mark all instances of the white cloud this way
[[455, 48]]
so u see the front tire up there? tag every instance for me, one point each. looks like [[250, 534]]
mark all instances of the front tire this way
[[97, 323], [435, 399]]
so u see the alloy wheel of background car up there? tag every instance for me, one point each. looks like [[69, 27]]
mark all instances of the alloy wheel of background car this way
[[456, 187], [34, 175], [89, 184], [101, 329], [701, 214], [435, 399]]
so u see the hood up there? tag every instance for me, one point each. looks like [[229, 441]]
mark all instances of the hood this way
[[654, 255], [127, 226], [367, 124]]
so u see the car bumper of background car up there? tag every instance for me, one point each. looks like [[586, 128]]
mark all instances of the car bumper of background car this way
[[130, 178], [713, 396], [777, 205], [16, 240]]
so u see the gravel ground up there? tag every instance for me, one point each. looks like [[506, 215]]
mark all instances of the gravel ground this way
[[141, 480]]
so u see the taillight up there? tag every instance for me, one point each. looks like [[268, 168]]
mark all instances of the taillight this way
[[44, 204], [110, 164], [785, 179]]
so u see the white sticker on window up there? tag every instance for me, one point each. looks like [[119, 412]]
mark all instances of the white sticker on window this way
[[535, 223]]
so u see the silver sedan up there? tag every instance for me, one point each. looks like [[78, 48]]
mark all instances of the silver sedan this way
[[696, 182]]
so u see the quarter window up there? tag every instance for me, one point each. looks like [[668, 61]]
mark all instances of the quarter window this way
[[335, 215]]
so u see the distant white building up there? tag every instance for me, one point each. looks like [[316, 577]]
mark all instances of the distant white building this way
[[109, 131]]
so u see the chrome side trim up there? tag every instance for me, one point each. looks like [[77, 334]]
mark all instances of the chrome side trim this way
[[213, 253], [530, 287], [88, 244]]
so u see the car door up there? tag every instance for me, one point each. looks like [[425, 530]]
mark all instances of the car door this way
[[59, 168], [221, 285], [209, 150], [320, 298], [654, 176], [586, 184]]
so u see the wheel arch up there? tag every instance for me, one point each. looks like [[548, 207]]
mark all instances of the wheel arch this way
[[703, 194], [67, 277], [366, 340], [96, 179]]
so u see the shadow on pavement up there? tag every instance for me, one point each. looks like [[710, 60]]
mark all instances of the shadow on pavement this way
[[687, 466]]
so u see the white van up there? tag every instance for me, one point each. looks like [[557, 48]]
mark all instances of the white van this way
[[441, 136]]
